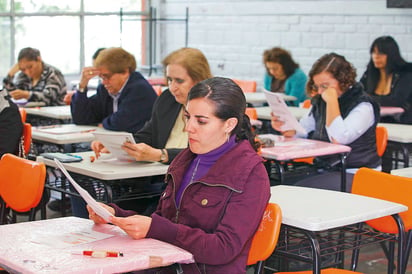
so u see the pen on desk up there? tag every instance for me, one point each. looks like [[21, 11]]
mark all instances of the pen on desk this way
[[98, 253]]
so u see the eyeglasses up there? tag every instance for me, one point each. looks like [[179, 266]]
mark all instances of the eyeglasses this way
[[106, 77], [320, 87]]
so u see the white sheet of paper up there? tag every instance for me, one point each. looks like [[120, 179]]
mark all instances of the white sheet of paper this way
[[101, 211], [113, 141], [69, 239], [280, 109]]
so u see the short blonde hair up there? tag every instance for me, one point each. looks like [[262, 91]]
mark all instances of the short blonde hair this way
[[117, 60], [193, 60]]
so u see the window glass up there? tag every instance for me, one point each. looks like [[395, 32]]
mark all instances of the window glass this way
[[110, 5], [4, 5], [5, 46], [57, 47], [104, 31], [48, 6]]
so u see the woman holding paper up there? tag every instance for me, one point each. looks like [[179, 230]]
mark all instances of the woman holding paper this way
[[163, 137], [199, 209], [341, 113]]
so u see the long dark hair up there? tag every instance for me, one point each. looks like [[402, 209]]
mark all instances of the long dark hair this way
[[229, 102], [388, 46]]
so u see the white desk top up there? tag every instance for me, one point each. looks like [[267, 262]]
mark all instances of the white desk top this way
[[258, 98], [404, 172], [264, 112], [65, 134], [56, 112], [46, 247], [317, 209], [110, 170], [401, 133], [293, 148]]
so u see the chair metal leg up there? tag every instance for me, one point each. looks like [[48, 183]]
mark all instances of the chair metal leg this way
[[355, 253], [259, 267], [407, 252]]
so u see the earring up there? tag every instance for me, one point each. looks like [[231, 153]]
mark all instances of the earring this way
[[227, 137]]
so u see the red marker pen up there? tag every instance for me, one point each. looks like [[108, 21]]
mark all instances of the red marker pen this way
[[99, 253]]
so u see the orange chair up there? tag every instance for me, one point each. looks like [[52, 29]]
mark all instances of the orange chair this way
[[324, 271], [381, 185], [251, 113], [266, 237], [23, 114], [246, 85], [307, 103], [381, 140], [21, 186]]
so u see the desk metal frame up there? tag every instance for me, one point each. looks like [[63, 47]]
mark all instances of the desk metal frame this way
[[279, 165], [335, 242]]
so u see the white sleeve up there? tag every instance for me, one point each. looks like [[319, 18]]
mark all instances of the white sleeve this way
[[345, 131], [308, 123]]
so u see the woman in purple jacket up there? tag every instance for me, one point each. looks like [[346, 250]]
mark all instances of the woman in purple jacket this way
[[217, 189]]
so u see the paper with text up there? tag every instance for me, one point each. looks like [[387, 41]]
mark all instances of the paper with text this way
[[113, 141], [280, 109], [101, 211]]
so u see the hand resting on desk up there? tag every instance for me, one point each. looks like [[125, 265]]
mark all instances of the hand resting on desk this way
[[136, 226]]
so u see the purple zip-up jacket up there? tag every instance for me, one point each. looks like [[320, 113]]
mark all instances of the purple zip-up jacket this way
[[218, 214]]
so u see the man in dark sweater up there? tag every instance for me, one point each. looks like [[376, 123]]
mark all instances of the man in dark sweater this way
[[124, 99]]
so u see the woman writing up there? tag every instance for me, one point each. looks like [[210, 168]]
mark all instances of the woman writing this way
[[284, 75], [388, 78], [199, 209], [341, 113]]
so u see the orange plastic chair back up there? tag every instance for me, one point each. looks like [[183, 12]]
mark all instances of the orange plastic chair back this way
[[246, 85], [251, 113], [381, 185], [157, 89], [23, 114], [308, 160], [324, 271], [27, 138], [306, 103], [266, 237], [381, 140], [21, 183]]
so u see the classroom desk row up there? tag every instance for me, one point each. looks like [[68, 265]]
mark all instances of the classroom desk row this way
[[264, 112], [53, 245]]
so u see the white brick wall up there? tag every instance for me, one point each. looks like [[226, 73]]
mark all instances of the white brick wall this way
[[234, 34]]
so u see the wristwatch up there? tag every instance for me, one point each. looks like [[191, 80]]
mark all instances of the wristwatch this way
[[163, 157]]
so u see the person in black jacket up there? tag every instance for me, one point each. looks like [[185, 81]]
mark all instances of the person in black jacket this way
[[11, 125], [388, 78], [162, 138], [124, 99], [341, 113]]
